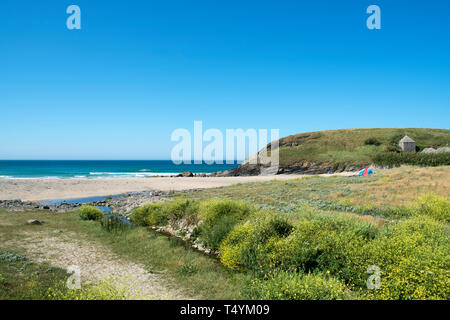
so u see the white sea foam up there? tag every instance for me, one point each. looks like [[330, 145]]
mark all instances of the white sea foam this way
[[31, 178], [135, 174]]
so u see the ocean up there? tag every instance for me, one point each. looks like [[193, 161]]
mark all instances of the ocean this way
[[101, 168]]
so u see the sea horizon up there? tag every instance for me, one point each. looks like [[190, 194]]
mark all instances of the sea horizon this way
[[91, 169]]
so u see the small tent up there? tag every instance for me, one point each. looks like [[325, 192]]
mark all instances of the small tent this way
[[365, 172]]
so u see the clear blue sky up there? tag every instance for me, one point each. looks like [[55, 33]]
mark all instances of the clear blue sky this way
[[137, 70]]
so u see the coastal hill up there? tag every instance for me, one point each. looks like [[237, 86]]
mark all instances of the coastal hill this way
[[354, 149]]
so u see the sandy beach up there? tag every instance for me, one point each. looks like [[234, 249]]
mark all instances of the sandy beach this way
[[52, 189]]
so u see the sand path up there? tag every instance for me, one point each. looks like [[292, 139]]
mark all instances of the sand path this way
[[97, 263]]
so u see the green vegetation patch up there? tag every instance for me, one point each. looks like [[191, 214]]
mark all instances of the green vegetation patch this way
[[90, 213], [294, 286], [338, 149]]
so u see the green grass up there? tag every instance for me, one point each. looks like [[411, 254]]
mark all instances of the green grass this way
[[292, 195], [20, 279], [366, 196], [156, 252], [341, 148]]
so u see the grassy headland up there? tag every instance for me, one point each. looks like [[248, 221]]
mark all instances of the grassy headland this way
[[353, 149]]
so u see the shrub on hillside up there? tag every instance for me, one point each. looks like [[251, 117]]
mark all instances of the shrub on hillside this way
[[391, 159], [393, 148], [219, 217], [372, 142], [295, 286], [90, 213]]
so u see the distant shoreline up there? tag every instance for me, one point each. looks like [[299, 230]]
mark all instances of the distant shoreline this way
[[117, 176], [88, 169]]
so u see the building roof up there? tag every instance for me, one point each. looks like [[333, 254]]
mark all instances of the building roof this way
[[407, 139]]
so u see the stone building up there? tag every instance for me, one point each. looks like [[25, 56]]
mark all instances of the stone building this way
[[407, 144]]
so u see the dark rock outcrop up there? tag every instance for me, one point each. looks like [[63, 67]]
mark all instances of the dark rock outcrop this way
[[186, 174]]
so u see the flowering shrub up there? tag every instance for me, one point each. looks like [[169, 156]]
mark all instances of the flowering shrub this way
[[295, 286], [413, 260], [433, 206], [219, 217], [232, 248], [412, 254]]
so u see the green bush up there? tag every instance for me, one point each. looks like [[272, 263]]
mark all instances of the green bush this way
[[295, 286], [152, 214], [219, 217], [280, 227], [319, 244], [161, 213], [246, 245], [433, 206], [156, 214], [313, 243], [372, 142], [213, 210], [90, 213], [139, 216], [212, 234], [233, 246], [183, 208], [392, 159], [412, 257], [393, 148], [412, 254]]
